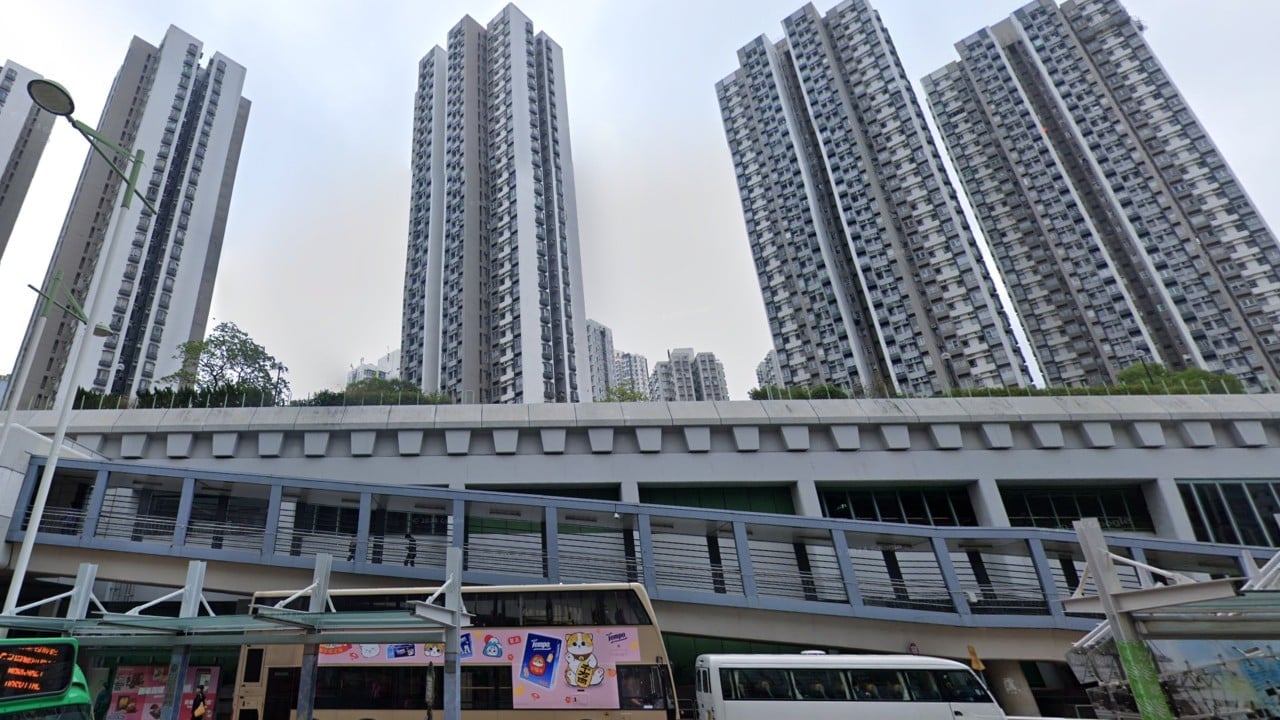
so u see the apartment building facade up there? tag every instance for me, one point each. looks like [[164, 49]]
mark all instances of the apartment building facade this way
[[1121, 232], [24, 130], [187, 114], [686, 376], [600, 359], [493, 300], [869, 273]]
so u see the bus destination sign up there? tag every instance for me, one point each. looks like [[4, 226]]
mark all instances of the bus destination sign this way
[[27, 670]]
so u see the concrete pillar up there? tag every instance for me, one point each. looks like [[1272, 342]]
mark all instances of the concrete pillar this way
[[1009, 684], [804, 495], [984, 494], [1164, 502]]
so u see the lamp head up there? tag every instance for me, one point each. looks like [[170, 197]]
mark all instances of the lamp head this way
[[51, 97], [101, 330]]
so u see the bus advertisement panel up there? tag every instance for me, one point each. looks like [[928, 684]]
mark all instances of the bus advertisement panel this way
[[551, 667]]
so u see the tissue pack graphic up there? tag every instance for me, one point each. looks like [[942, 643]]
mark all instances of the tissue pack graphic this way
[[541, 653]]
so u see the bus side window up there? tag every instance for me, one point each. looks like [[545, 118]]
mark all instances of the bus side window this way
[[252, 672]]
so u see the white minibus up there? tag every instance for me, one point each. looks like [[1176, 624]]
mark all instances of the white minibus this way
[[825, 687]]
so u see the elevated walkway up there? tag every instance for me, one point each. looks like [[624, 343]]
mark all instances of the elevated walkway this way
[[774, 578]]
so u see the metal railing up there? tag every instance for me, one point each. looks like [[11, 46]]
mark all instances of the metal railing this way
[[977, 575]]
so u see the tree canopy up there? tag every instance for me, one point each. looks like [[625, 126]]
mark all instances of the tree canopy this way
[[376, 391], [228, 361], [816, 392], [624, 392], [1192, 380]]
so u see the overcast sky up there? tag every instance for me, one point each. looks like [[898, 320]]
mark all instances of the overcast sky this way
[[313, 259]]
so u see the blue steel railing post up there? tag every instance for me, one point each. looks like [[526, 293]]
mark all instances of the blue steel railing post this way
[[458, 538], [840, 544], [272, 529], [361, 549], [942, 554], [1137, 554], [650, 573], [185, 503], [1248, 564], [1044, 573], [551, 543], [97, 497], [742, 546], [28, 490]]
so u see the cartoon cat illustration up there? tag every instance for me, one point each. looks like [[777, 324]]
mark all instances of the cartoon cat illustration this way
[[582, 669]]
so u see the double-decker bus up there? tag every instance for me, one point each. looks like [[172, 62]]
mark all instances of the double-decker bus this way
[[39, 680], [848, 687], [536, 652]]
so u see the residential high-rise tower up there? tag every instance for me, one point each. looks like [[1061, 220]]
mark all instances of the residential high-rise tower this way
[[631, 370], [870, 275], [600, 358], [768, 373], [189, 119], [1121, 232], [686, 375], [24, 129], [493, 308]]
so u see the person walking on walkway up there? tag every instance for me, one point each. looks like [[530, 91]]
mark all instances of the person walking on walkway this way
[[410, 550]]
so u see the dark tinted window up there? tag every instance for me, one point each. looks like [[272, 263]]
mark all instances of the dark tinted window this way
[[253, 665], [879, 685], [961, 686]]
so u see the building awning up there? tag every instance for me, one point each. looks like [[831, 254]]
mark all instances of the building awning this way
[[266, 627]]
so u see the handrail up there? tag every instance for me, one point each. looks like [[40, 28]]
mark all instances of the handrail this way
[[994, 576]]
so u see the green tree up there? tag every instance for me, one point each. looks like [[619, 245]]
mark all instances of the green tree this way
[[827, 392], [228, 362], [376, 391], [625, 392], [815, 392], [1144, 372], [1156, 378]]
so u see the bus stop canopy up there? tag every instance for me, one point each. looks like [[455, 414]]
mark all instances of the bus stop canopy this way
[[266, 627]]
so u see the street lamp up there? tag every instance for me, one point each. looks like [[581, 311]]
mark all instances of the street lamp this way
[[54, 99], [51, 298]]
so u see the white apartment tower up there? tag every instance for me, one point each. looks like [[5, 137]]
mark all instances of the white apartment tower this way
[[686, 375], [1121, 232], [768, 373], [186, 113], [24, 129], [386, 367], [631, 370], [600, 358], [493, 308], [870, 276]]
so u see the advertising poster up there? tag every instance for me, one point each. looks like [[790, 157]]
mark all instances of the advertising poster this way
[[550, 667], [203, 680], [138, 692], [379, 654]]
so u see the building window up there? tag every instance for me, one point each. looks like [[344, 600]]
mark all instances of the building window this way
[[1242, 512], [915, 506], [1116, 508]]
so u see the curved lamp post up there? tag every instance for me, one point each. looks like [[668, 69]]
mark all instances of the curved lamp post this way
[[54, 99]]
